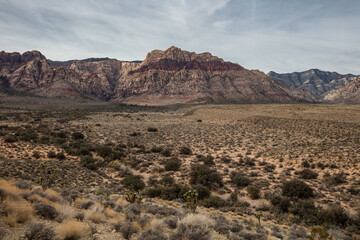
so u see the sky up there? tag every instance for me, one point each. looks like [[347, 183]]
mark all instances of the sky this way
[[269, 35]]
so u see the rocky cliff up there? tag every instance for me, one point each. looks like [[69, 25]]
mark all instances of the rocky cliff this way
[[318, 83], [349, 93], [164, 77]]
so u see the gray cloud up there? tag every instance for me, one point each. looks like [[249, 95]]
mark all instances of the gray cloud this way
[[279, 35]]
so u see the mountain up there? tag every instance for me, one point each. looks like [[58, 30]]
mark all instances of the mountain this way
[[164, 77], [318, 83], [349, 93]]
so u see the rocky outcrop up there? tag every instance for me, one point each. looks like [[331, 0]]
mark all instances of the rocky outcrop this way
[[164, 77], [349, 93], [318, 83]]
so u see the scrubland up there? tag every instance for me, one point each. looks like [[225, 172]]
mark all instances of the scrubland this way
[[121, 172]]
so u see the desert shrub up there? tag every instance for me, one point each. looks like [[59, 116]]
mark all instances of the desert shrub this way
[[173, 164], [221, 225], [3, 233], [185, 150], [127, 229], [207, 160], [152, 129], [253, 192], [133, 182], [335, 179], [10, 139], [73, 230], [17, 211], [269, 167], [305, 164], [80, 216], [171, 222], [193, 226], [282, 203], [103, 151], [319, 233], [213, 201], [203, 192], [338, 215], [156, 149], [39, 231], [60, 156], [166, 152], [152, 234], [308, 174], [297, 189], [51, 154], [77, 136], [203, 175], [174, 191], [89, 162], [36, 154], [239, 179], [46, 211]]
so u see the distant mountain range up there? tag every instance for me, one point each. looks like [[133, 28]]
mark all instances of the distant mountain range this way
[[323, 86], [164, 77], [167, 77]]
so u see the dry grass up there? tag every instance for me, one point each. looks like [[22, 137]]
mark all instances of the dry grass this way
[[74, 230], [97, 217], [17, 211]]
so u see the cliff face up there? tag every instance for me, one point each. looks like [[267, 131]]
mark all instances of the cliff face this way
[[164, 77], [349, 93], [318, 83]]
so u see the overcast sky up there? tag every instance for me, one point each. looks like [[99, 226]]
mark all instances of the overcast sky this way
[[278, 35]]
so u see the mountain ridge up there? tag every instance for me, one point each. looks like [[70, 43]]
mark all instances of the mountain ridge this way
[[164, 77]]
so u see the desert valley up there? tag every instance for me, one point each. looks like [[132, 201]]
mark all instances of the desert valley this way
[[178, 146]]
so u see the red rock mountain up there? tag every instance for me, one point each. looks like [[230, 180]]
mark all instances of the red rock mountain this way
[[164, 77]]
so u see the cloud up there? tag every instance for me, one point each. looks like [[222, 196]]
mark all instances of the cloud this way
[[280, 35]]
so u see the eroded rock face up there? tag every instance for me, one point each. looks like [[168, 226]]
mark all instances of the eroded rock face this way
[[164, 77], [318, 83], [349, 93]]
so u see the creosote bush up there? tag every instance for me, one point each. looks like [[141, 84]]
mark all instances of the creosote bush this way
[[185, 150], [253, 192], [204, 175], [239, 179], [173, 164], [133, 182], [297, 189]]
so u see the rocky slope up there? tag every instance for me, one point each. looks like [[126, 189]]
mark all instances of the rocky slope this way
[[318, 83], [349, 93], [164, 77]]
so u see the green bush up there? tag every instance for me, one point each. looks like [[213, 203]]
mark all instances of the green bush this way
[[239, 179], [173, 164], [215, 202], [78, 136], [207, 160], [185, 150], [282, 203], [204, 175], [253, 192], [60, 156], [51, 154], [103, 151], [297, 189], [133, 182], [152, 129], [89, 162], [203, 192]]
